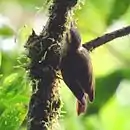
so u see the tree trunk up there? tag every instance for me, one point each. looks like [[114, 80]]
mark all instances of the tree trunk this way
[[44, 52]]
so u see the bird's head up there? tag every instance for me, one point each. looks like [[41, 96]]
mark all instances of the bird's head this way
[[73, 38]]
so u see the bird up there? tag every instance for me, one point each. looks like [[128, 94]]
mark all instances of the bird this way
[[77, 71]]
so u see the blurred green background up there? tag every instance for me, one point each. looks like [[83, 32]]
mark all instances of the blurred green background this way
[[111, 108]]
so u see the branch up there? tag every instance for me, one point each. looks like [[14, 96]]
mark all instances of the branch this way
[[93, 44]]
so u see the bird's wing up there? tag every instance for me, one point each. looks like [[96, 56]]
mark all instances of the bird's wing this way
[[73, 85], [85, 73], [70, 80]]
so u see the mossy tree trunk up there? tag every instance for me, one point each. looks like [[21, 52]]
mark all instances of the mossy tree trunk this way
[[44, 52]]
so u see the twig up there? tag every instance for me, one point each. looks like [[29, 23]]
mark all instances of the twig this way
[[93, 44]]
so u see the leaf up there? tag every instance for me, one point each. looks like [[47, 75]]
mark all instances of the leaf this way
[[31, 4], [106, 87], [115, 115], [103, 6], [19, 99], [3, 106], [6, 31], [13, 85], [12, 117], [0, 58], [119, 8], [23, 34], [9, 63]]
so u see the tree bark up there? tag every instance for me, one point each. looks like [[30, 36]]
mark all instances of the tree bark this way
[[44, 52]]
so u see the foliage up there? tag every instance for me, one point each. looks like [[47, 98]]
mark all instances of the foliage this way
[[111, 108]]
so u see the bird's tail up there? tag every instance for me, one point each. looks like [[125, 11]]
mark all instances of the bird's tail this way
[[81, 105]]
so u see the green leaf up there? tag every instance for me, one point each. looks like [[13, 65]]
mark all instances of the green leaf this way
[[103, 6], [32, 4], [23, 34], [6, 31], [0, 59], [19, 99], [13, 85], [12, 117], [114, 115], [8, 62], [106, 87], [3, 106], [119, 8]]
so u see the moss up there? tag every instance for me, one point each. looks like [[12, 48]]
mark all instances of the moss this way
[[44, 52]]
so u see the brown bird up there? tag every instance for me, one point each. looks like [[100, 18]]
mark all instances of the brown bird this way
[[76, 69]]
